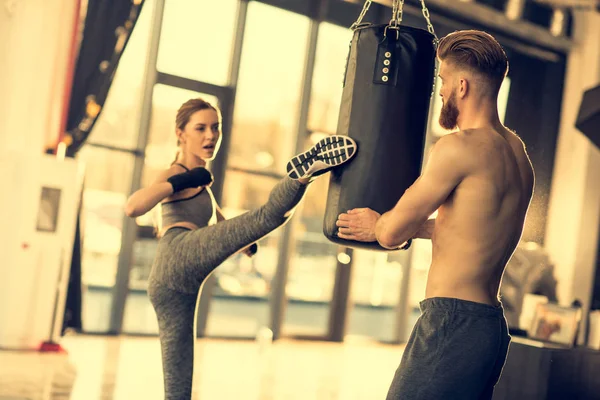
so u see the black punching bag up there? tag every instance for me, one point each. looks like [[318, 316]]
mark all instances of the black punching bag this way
[[385, 105]]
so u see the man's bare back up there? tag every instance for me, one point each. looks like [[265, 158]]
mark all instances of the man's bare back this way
[[480, 224]]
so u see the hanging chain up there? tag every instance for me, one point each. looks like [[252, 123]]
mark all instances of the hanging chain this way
[[362, 14], [397, 12], [427, 18]]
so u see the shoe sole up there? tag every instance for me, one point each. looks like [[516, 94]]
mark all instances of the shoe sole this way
[[327, 154]]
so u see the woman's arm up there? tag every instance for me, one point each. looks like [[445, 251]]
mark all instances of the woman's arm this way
[[220, 215], [144, 200]]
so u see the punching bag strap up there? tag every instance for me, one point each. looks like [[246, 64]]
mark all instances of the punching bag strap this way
[[397, 12]]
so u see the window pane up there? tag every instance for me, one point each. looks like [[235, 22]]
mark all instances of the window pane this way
[[197, 38], [375, 292], [107, 185], [330, 63], [312, 265], [118, 124], [503, 98], [419, 270], [268, 93], [160, 152], [240, 305]]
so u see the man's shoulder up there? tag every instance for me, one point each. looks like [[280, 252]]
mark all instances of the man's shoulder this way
[[452, 151], [452, 140], [455, 144]]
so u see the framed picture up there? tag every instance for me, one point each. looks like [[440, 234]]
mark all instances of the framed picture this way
[[555, 324], [47, 218]]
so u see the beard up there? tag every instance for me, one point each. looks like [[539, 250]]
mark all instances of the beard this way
[[449, 113]]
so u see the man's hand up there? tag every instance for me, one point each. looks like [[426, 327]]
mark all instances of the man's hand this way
[[358, 224]]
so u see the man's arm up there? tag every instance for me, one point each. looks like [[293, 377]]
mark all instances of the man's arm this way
[[426, 230], [444, 171]]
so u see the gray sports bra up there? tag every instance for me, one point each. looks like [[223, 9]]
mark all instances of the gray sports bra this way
[[198, 209]]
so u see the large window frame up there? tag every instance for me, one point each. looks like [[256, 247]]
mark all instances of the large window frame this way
[[332, 11], [339, 13]]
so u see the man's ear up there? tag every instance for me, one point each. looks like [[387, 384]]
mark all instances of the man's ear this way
[[463, 87]]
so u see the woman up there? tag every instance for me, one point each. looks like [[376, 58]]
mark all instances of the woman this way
[[191, 245]]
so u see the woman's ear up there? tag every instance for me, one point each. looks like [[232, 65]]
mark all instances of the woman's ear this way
[[180, 136]]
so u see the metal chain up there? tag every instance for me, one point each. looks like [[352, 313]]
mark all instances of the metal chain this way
[[362, 14], [397, 13], [427, 18]]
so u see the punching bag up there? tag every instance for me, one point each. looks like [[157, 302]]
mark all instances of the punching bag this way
[[388, 86]]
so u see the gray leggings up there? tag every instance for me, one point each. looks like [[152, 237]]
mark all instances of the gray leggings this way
[[185, 258]]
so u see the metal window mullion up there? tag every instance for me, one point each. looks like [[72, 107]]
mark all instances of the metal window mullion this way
[[286, 249], [134, 152], [129, 233], [191, 84], [219, 167]]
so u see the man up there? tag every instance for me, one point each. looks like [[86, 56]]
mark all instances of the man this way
[[480, 181]]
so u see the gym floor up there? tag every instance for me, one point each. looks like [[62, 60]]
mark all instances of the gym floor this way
[[119, 368]]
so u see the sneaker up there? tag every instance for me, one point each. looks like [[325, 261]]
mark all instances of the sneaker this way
[[327, 154]]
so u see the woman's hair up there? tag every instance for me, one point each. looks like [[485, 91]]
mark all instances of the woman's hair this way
[[185, 112], [190, 107], [476, 51]]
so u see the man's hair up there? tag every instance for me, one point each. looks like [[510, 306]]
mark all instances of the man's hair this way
[[477, 52]]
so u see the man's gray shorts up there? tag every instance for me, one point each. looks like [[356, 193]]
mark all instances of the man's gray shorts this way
[[457, 350]]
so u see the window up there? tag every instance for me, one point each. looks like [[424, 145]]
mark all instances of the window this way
[[196, 40], [312, 264], [263, 138], [118, 124], [268, 92], [327, 84], [375, 292], [106, 186]]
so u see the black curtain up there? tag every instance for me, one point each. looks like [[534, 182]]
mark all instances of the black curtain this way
[[72, 317], [107, 28]]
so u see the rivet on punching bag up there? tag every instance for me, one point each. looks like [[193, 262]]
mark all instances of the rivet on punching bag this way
[[388, 86]]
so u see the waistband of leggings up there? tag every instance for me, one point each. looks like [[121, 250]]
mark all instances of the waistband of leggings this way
[[458, 305], [175, 230]]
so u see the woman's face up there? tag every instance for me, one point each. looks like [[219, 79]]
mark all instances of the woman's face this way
[[201, 136]]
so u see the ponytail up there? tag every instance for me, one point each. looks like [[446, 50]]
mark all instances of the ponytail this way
[[176, 157], [178, 151]]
